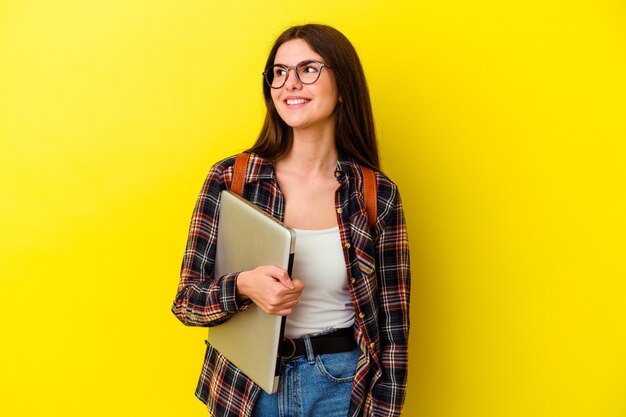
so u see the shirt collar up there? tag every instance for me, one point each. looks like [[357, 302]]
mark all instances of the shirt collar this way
[[263, 169], [259, 169], [345, 167]]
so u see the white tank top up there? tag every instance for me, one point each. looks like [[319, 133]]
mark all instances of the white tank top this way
[[325, 301]]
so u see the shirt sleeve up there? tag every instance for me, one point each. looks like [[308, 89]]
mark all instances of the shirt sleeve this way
[[202, 299], [394, 273]]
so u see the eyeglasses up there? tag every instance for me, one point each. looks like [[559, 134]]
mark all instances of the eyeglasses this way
[[306, 71]]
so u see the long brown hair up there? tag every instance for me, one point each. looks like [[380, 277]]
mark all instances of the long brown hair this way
[[355, 136]]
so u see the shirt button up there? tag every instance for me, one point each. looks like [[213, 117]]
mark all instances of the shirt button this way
[[339, 210], [362, 315], [352, 280], [347, 245]]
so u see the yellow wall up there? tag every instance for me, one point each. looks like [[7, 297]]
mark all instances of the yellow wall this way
[[503, 125]]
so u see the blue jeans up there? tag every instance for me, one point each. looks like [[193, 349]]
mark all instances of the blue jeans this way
[[311, 386]]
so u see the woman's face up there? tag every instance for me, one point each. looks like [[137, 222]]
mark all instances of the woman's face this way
[[304, 106]]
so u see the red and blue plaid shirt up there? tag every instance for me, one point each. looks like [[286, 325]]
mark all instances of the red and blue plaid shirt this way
[[377, 263]]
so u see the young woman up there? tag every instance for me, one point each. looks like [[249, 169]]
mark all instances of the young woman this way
[[347, 304]]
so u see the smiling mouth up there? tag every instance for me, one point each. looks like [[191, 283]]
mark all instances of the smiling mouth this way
[[297, 101]]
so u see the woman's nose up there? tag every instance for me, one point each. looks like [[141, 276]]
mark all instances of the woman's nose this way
[[292, 82]]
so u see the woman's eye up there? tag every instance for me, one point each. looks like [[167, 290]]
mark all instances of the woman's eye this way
[[280, 72], [310, 69]]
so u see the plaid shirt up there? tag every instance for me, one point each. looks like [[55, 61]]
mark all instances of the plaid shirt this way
[[378, 272]]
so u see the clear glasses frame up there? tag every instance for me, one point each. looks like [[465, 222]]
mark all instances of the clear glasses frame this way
[[268, 74]]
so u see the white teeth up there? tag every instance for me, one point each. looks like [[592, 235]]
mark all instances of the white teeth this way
[[297, 101]]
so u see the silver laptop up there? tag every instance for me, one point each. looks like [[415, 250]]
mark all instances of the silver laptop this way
[[247, 238]]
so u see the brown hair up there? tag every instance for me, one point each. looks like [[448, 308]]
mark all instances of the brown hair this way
[[355, 136]]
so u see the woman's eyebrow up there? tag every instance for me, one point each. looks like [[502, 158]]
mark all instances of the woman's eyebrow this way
[[306, 61]]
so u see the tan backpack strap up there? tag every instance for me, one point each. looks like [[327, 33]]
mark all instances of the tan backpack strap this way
[[239, 173], [370, 194]]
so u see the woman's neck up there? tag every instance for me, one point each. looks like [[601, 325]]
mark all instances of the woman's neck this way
[[312, 153]]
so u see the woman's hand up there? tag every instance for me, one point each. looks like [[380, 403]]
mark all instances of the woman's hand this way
[[270, 288]]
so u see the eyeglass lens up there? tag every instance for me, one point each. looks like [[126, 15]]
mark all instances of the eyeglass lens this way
[[307, 72]]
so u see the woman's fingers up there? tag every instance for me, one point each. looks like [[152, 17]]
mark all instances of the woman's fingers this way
[[270, 288], [281, 300], [279, 274]]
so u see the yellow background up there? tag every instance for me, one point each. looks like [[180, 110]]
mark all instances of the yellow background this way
[[502, 122]]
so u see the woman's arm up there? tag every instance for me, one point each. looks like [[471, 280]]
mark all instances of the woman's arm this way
[[394, 273], [205, 300], [201, 299]]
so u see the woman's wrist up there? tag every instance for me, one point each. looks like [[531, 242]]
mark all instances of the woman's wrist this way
[[240, 285]]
